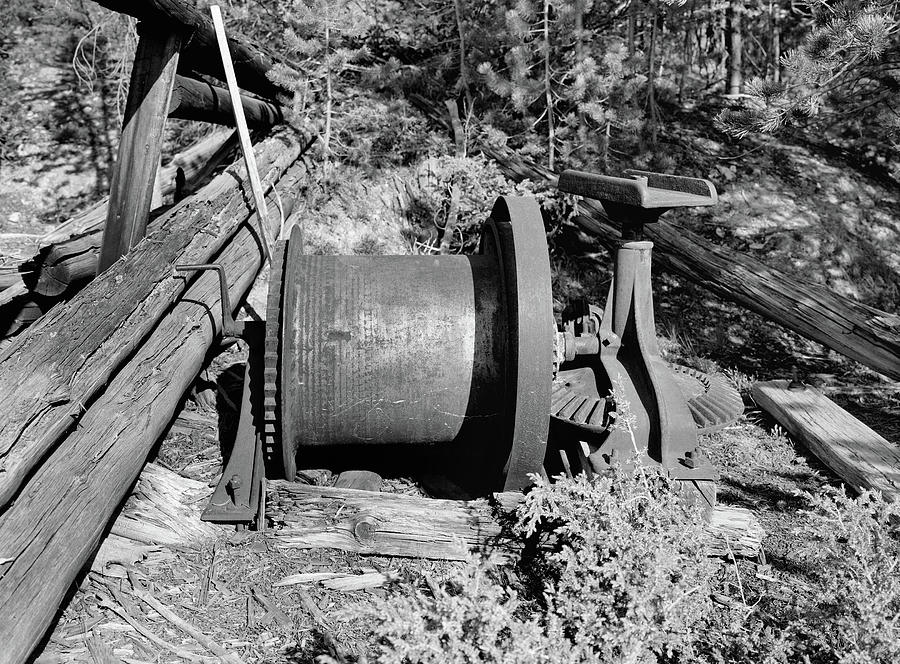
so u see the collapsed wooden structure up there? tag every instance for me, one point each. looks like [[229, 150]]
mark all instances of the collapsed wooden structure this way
[[89, 388]]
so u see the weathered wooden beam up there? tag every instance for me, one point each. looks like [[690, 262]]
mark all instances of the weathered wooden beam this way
[[57, 366], [197, 100], [57, 521], [140, 145], [392, 524], [251, 62], [860, 332], [853, 451]]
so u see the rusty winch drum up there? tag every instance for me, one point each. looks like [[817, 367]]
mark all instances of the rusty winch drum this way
[[415, 349]]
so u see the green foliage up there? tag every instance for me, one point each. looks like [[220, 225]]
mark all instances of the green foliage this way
[[625, 580], [854, 547], [843, 66], [471, 619], [630, 577], [479, 182], [562, 78]]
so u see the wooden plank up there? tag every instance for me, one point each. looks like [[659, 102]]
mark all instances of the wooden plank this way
[[58, 519], [865, 334], [391, 524], [198, 100], [140, 146], [251, 61], [853, 451], [57, 366]]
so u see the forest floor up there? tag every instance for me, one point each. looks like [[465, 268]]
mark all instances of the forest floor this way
[[787, 203]]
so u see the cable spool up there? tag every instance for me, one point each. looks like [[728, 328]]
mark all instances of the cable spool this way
[[416, 350]]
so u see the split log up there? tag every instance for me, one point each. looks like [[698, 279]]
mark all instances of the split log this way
[[200, 53], [57, 520], [53, 370], [391, 524], [853, 451], [865, 334], [196, 100], [163, 509]]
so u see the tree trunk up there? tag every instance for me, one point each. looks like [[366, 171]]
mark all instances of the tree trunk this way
[[548, 90], [734, 39], [55, 368], [775, 40], [56, 523]]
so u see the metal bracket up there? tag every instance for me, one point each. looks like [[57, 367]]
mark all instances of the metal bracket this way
[[230, 327], [239, 497]]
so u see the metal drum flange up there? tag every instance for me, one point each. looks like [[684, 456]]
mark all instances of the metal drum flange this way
[[516, 227]]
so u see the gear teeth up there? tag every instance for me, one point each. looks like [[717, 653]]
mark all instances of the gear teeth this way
[[718, 406], [271, 411]]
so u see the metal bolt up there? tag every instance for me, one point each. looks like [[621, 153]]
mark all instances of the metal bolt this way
[[692, 457]]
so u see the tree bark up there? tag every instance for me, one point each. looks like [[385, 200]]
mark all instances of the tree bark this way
[[56, 523], [734, 38], [55, 368], [251, 62], [196, 100]]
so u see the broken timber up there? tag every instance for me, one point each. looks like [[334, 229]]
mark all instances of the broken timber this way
[[53, 370], [391, 524], [59, 516], [853, 451], [863, 333]]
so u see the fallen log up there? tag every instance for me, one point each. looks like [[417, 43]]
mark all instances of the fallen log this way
[[251, 62], [850, 449], [58, 519], [51, 371], [197, 100], [865, 334], [392, 524]]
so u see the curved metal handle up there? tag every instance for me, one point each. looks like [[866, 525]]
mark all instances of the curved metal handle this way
[[230, 327]]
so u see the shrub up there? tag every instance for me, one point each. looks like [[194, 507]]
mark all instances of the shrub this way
[[624, 580]]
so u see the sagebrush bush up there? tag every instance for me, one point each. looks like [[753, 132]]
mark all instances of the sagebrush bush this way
[[629, 576], [624, 580], [853, 546]]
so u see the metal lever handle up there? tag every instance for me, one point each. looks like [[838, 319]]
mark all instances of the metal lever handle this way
[[230, 327]]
